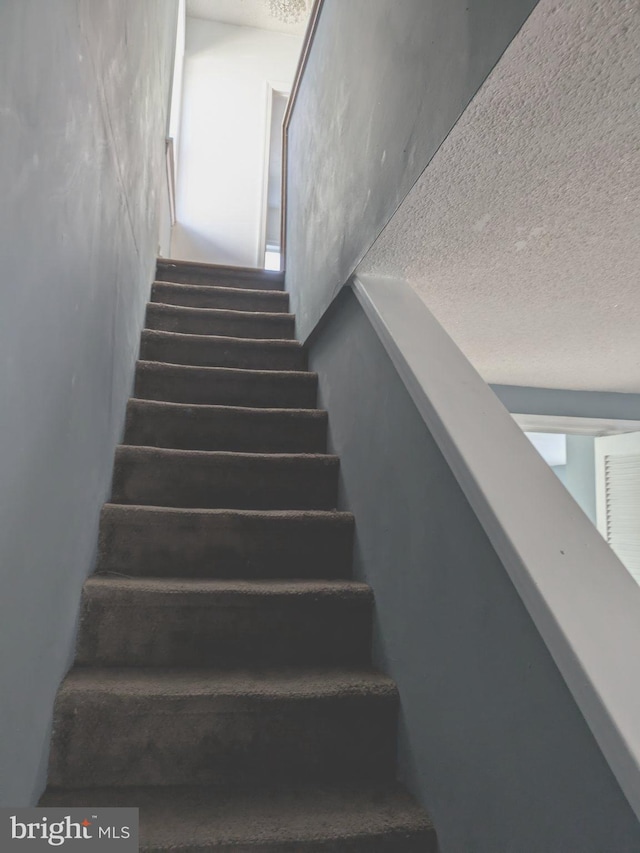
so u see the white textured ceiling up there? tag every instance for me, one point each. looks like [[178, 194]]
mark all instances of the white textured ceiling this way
[[246, 13], [523, 234]]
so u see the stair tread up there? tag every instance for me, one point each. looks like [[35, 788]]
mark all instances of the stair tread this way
[[249, 411], [237, 386], [143, 539], [223, 350], [211, 426], [266, 514], [222, 313], [130, 590], [241, 292], [192, 818], [227, 624], [194, 272], [222, 269], [271, 458], [223, 321], [271, 343], [148, 364], [288, 683], [225, 479]]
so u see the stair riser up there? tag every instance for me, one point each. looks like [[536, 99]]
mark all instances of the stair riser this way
[[183, 274], [192, 322], [230, 482], [225, 388], [225, 741], [144, 543], [184, 632], [222, 298], [202, 351], [255, 432]]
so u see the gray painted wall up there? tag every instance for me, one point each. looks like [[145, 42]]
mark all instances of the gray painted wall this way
[[84, 89], [491, 740], [580, 474], [385, 83]]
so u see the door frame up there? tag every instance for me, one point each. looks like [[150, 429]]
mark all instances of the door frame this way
[[273, 88]]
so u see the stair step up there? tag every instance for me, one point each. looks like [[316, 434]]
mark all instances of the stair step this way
[[188, 272], [214, 623], [197, 478], [148, 541], [221, 351], [216, 321], [233, 428], [231, 298], [208, 727], [362, 819], [225, 386]]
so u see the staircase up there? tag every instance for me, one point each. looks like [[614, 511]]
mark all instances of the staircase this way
[[223, 680]]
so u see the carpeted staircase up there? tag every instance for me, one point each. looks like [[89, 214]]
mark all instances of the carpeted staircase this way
[[223, 680]]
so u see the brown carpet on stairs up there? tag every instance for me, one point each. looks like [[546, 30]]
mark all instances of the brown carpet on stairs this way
[[223, 680]]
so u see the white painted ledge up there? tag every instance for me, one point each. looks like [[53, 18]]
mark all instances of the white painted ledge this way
[[582, 600]]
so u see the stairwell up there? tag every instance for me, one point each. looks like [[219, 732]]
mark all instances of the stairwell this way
[[223, 681]]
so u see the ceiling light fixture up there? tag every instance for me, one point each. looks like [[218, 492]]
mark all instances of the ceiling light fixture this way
[[288, 11]]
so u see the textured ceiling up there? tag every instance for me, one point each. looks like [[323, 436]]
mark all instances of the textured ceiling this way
[[247, 13], [523, 234]]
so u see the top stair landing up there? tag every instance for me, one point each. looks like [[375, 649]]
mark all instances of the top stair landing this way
[[214, 275]]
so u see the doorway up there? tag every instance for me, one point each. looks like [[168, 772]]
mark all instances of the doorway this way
[[272, 204]]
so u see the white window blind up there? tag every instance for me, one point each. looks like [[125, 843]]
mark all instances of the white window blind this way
[[622, 508]]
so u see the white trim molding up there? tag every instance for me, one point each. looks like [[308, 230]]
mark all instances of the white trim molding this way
[[171, 177], [581, 598]]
